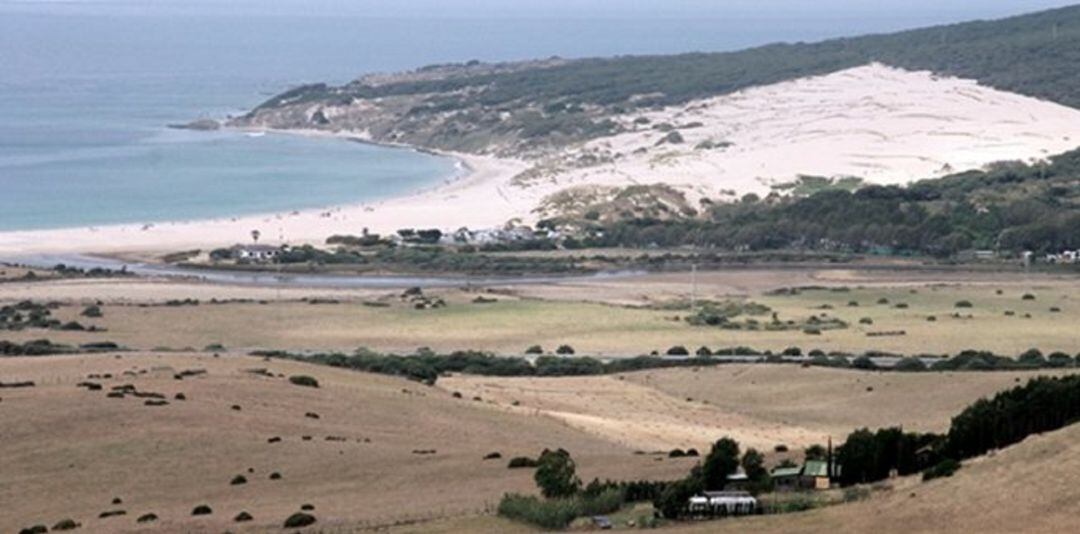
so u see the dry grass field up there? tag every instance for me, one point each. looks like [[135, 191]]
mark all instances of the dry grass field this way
[[67, 452], [759, 405], [608, 318]]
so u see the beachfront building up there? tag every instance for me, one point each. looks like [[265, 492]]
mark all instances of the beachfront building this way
[[256, 253]]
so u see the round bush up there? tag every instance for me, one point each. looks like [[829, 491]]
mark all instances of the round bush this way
[[564, 349], [299, 519], [963, 304], [238, 479], [147, 518], [535, 349], [66, 524], [202, 509], [678, 350], [1028, 296], [304, 380], [242, 517]]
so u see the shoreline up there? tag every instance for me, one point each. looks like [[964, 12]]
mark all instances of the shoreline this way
[[881, 124], [298, 226]]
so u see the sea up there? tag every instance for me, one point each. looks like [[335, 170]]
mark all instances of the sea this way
[[89, 87]]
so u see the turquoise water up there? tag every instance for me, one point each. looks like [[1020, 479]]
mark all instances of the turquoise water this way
[[88, 87]]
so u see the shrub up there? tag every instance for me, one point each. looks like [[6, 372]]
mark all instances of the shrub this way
[[307, 507], [66, 524], [304, 380], [202, 509], [493, 456], [299, 519], [910, 364], [275, 476], [554, 514], [780, 448], [93, 311], [676, 453], [813, 331], [36, 529], [564, 349], [703, 351], [1055, 309], [238, 480], [520, 462], [883, 300], [242, 517], [945, 468], [1059, 359], [607, 501], [963, 304], [792, 351], [866, 320], [678, 350], [863, 362], [535, 349], [1032, 357], [111, 513], [1028, 296], [901, 306], [147, 518]]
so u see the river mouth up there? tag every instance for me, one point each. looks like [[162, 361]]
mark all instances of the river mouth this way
[[272, 279]]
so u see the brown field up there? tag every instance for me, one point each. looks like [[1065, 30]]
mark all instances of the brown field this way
[[67, 452], [759, 405], [608, 318]]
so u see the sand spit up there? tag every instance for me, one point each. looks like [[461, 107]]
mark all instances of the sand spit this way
[[882, 124]]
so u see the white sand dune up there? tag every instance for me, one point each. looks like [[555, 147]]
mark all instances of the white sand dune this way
[[885, 125]]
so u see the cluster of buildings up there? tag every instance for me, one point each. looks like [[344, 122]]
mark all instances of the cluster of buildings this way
[[491, 236], [813, 475], [1065, 256]]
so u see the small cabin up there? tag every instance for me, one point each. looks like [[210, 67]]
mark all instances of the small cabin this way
[[786, 478], [815, 475]]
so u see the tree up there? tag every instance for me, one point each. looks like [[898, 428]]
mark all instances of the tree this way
[[815, 452], [255, 235], [753, 464], [673, 500], [722, 461], [556, 474]]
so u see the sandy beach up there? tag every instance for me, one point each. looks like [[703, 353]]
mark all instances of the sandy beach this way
[[884, 125]]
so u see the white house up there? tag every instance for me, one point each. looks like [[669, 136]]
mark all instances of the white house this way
[[256, 253]]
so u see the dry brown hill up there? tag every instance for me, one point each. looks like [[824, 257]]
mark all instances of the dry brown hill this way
[[67, 452]]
